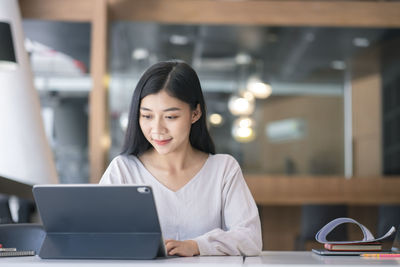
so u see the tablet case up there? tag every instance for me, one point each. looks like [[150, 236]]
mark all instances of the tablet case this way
[[98, 222], [324, 252]]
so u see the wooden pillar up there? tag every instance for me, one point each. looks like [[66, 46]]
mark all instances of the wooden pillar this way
[[99, 137], [367, 114]]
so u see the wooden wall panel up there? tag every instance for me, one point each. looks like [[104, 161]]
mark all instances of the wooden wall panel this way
[[280, 13], [284, 191], [319, 151], [62, 10], [280, 201], [99, 137], [280, 226], [367, 114]]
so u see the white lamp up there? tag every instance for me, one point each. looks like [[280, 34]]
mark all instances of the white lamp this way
[[7, 53], [25, 155], [241, 104], [243, 130], [259, 88]]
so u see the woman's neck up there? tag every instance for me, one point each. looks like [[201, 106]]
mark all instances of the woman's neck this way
[[175, 161]]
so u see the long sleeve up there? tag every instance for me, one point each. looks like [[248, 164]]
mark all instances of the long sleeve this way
[[242, 228]]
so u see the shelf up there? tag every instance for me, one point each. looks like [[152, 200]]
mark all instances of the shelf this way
[[298, 190]]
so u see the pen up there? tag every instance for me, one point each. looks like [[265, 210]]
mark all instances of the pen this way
[[388, 255]]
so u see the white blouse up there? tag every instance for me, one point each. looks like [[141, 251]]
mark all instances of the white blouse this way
[[215, 208]]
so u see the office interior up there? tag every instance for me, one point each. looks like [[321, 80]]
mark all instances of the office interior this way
[[304, 94]]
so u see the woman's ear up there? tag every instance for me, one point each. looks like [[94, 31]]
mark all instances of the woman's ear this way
[[196, 114]]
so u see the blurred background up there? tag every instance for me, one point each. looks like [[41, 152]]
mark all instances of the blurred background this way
[[296, 99], [286, 85]]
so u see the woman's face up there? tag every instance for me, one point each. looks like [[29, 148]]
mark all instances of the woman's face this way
[[166, 121]]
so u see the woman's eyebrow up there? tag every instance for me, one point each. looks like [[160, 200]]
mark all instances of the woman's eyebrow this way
[[172, 109], [168, 109]]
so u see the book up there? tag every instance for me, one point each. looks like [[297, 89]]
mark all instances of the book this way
[[8, 249], [17, 253], [368, 244], [354, 247], [368, 238]]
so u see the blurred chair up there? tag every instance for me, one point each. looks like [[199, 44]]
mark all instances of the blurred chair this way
[[26, 209], [24, 236], [314, 217], [388, 216], [5, 214]]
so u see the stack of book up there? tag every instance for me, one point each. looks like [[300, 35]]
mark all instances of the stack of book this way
[[13, 252], [368, 244], [371, 246]]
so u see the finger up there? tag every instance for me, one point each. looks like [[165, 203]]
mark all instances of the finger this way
[[169, 241], [180, 251], [170, 245], [174, 251]]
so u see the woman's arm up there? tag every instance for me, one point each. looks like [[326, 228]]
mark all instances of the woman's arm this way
[[241, 222]]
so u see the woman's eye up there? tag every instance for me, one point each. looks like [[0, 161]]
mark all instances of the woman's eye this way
[[146, 116], [171, 117]]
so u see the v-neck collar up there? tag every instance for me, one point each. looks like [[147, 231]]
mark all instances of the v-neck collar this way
[[163, 185]]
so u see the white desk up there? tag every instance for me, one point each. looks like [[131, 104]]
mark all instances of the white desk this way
[[189, 261], [271, 259], [289, 258]]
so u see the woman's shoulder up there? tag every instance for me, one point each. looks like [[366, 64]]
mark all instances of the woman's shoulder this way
[[225, 160], [224, 167], [123, 159], [120, 169]]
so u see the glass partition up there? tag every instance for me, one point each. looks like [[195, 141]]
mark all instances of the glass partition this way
[[275, 95]]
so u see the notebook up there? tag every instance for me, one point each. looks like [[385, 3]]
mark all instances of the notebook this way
[[99, 222], [395, 248]]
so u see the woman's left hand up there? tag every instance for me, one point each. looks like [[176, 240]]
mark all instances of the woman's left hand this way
[[185, 248]]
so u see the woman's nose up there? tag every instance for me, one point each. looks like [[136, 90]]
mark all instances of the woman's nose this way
[[158, 126]]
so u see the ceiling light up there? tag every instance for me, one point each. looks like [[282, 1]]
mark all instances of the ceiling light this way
[[361, 42], [179, 39], [216, 119], [243, 129], [258, 88], [248, 95], [240, 105], [242, 59], [338, 65], [245, 122], [140, 53]]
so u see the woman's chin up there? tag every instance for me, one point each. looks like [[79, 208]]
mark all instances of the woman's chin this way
[[162, 150]]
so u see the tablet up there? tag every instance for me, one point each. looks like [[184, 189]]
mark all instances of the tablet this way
[[324, 252], [99, 221]]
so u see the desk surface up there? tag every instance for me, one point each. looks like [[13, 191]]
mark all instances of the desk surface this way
[[187, 261], [305, 258], [268, 258]]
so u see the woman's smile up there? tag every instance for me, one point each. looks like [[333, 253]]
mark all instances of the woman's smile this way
[[162, 142]]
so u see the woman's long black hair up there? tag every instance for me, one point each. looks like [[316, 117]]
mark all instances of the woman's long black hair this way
[[180, 81]]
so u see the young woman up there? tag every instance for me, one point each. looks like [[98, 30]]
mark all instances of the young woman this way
[[203, 202]]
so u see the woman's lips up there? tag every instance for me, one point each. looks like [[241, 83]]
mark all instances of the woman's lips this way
[[162, 142]]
